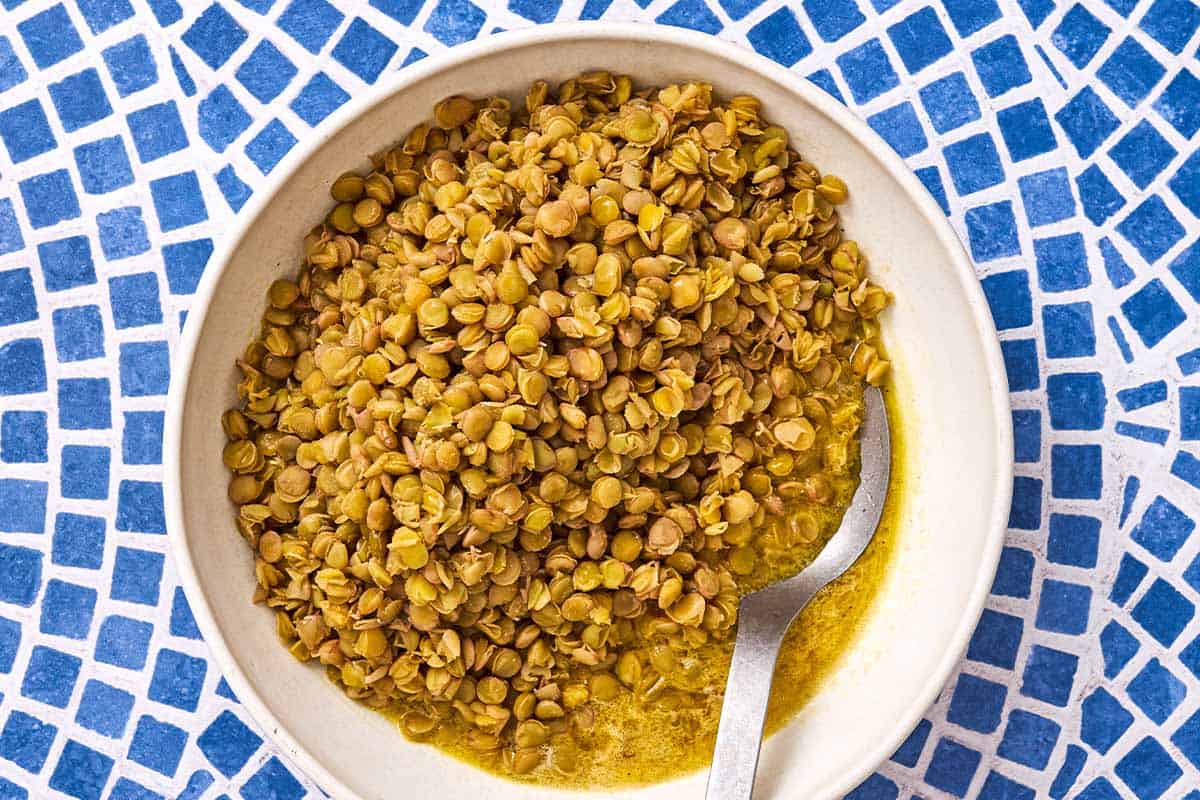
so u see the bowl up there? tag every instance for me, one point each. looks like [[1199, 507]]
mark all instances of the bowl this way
[[949, 382]]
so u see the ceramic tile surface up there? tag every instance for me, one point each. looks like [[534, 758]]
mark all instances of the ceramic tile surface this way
[[1059, 138]]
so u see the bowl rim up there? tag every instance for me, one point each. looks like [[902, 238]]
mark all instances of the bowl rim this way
[[563, 33]]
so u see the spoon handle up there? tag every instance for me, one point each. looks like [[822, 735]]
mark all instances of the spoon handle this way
[[759, 634]]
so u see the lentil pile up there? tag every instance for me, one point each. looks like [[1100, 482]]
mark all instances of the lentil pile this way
[[554, 385]]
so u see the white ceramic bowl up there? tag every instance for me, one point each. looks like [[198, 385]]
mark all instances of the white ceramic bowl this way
[[948, 372]]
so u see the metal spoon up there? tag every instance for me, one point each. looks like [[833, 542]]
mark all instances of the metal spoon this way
[[764, 616]]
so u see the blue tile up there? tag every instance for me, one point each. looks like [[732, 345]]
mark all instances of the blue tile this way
[[1079, 35], [833, 19], [1171, 22], [1151, 228], [540, 11], [1130, 72], [183, 624], [1064, 607], [50, 36], [104, 709], [996, 639], [1074, 540], [920, 39], [1027, 435], [131, 65], [178, 201], [1179, 104], [84, 404], [974, 164], [1163, 612], [779, 37], [1152, 312], [123, 642], [1142, 154], [266, 72], [1075, 471], [403, 11], [1141, 396], [1014, 573], [1047, 197], [273, 782], [867, 71], [1163, 529], [1049, 675], [1026, 511], [1069, 330], [185, 262], [364, 50], [80, 100], [319, 98], [932, 180], [122, 233], [167, 12], [950, 102], [1156, 691], [1115, 266], [1076, 401], [125, 789], [1129, 577], [10, 232], [1001, 66], [49, 199], [1021, 364], [26, 504], [11, 70], [992, 231], [909, 753], [182, 76], [214, 36], [1029, 739], [1186, 269], [22, 367], [1103, 721], [26, 741], [1008, 296], [1189, 413], [1087, 121], [1122, 7], [23, 437], [50, 676], [103, 167], [1190, 657], [178, 679], [17, 300], [26, 132], [1148, 769], [84, 472], [140, 507], [1186, 184], [1117, 646], [999, 787], [157, 745], [20, 575], [952, 767], [875, 787], [101, 15], [235, 191], [270, 145], [157, 131], [900, 128], [456, 21], [970, 16], [976, 704], [141, 438], [134, 300], [222, 118], [1187, 739], [1099, 197], [228, 744], [78, 541], [136, 576], [81, 772], [1026, 130], [311, 22]]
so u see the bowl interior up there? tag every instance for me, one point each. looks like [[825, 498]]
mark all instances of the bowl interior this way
[[951, 391]]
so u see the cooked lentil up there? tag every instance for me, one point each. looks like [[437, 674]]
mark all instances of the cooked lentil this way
[[554, 385]]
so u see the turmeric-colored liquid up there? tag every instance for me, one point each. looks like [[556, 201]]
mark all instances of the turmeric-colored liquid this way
[[636, 740]]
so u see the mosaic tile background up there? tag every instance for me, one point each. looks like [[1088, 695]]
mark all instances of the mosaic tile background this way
[[1060, 138]]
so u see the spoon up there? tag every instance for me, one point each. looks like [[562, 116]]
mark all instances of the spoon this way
[[765, 615]]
